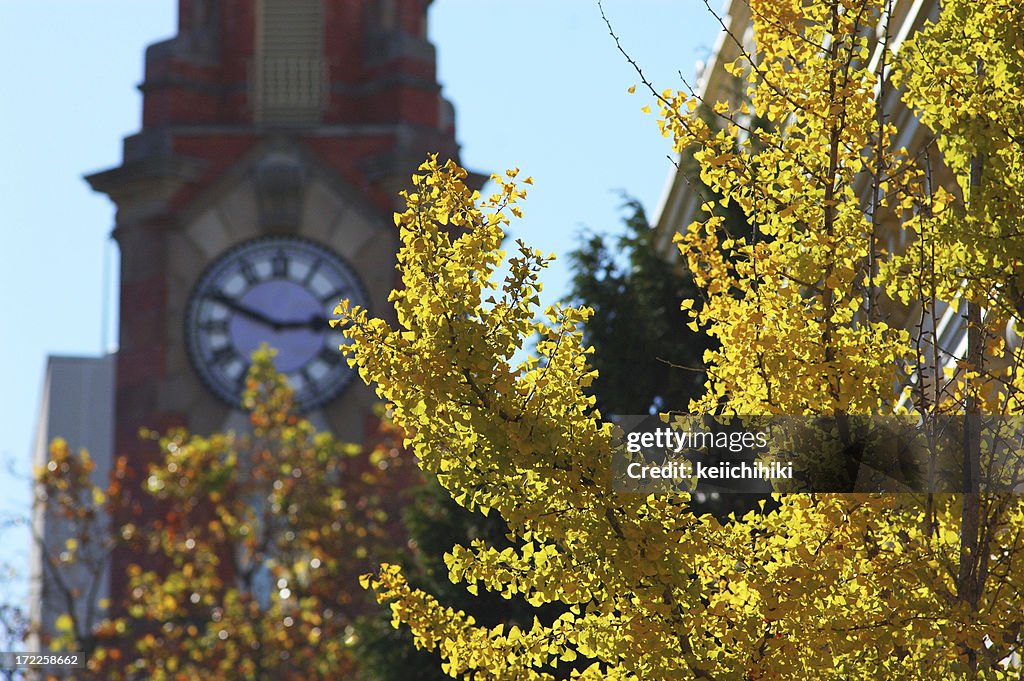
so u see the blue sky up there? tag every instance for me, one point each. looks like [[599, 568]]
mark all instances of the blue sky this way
[[536, 84]]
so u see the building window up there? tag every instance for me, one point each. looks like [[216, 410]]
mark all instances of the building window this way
[[288, 70]]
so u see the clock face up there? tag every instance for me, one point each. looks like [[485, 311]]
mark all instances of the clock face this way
[[280, 291]]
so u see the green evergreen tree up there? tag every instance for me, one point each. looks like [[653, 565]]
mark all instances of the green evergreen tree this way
[[645, 356]]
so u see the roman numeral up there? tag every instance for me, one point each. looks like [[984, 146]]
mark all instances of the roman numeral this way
[[330, 356], [245, 267], [312, 272], [240, 379], [215, 326], [333, 297], [308, 384], [279, 265], [223, 355]]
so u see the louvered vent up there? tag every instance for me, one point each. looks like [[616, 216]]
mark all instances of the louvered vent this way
[[288, 71]]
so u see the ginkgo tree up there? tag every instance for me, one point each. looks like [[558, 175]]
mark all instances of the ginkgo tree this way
[[244, 564], [810, 311]]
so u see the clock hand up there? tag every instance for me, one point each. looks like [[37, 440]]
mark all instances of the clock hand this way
[[314, 323], [255, 315], [318, 323]]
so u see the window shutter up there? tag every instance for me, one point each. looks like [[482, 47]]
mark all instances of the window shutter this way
[[288, 73]]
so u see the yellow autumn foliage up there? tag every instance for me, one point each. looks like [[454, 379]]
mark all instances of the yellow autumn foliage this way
[[830, 308]]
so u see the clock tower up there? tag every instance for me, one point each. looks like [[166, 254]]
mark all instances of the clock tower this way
[[276, 135]]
